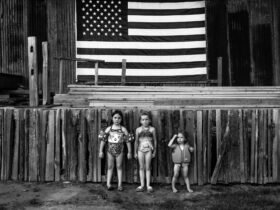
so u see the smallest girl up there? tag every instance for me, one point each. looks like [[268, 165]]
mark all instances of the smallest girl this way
[[145, 150], [181, 158], [115, 136]]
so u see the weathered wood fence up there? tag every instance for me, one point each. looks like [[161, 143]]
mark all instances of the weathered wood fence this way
[[61, 144]]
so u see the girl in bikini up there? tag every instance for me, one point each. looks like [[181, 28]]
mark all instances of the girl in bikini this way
[[145, 150], [115, 136]]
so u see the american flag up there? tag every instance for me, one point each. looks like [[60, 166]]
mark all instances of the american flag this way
[[157, 38]]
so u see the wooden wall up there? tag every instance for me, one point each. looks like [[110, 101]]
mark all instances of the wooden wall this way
[[61, 32], [13, 37], [61, 144]]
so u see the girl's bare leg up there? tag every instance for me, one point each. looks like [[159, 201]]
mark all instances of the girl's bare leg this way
[[141, 159], [110, 163], [148, 160], [175, 177], [186, 178], [119, 169]]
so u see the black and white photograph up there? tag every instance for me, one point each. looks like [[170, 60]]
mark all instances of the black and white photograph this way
[[139, 104]]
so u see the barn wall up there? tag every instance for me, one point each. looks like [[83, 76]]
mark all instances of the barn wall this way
[[13, 33], [61, 39]]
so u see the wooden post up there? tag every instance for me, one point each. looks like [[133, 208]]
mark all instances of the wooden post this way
[[276, 40], [46, 96], [33, 72], [60, 76], [96, 74], [220, 71], [123, 80]]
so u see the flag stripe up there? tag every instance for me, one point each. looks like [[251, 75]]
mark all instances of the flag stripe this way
[[166, 6], [166, 19], [90, 51], [143, 72], [147, 59], [166, 12], [166, 32], [141, 45], [141, 66], [200, 37], [140, 25]]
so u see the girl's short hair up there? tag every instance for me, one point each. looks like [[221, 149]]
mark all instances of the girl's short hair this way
[[184, 133], [145, 113], [119, 113]]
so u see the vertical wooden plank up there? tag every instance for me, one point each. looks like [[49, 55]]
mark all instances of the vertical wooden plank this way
[[199, 147], [33, 72], [190, 129], [209, 144], [98, 118], [15, 168], [275, 163], [242, 146], [218, 131], [264, 142], [253, 141], [46, 94], [123, 78], [82, 147], [270, 137], [205, 144], [57, 160], [260, 147], [26, 144], [64, 161], [50, 147], [33, 147], [91, 176], [21, 144], [246, 140], [1, 141], [74, 144], [39, 113], [256, 148], [43, 142], [155, 161]]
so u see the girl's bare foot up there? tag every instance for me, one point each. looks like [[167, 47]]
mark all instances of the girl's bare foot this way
[[190, 190], [174, 190]]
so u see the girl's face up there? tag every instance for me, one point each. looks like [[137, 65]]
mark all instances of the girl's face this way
[[145, 120], [117, 119], [180, 138]]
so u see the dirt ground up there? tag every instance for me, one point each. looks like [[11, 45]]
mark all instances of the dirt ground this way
[[95, 196]]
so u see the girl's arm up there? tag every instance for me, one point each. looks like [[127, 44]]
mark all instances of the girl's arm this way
[[136, 143], [102, 144], [128, 144], [172, 140], [155, 142]]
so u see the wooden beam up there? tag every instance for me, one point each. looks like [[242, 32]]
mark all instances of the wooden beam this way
[[123, 80], [60, 76], [96, 74], [46, 94], [220, 71], [33, 72]]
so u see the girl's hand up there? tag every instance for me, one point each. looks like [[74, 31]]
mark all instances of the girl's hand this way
[[191, 149], [135, 156], [101, 155], [153, 155], [175, 136], [129, 156]]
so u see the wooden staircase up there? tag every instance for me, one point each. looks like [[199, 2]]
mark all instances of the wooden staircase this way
[[168, 97]]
